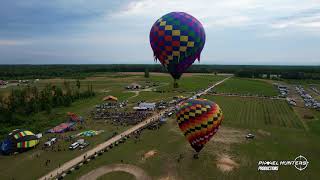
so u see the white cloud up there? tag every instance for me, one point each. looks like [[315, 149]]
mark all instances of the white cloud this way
[[222, 13], [311, 21], [215, 14]]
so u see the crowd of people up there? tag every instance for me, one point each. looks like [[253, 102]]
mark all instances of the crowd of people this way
[[122, 118]]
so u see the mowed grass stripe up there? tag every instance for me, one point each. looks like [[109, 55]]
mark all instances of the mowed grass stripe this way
[[247, 86], [256, 113]]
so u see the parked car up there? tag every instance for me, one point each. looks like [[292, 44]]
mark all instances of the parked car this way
[[170, 114], [50, 142], [74, 146], [83, 145], [249, 136]]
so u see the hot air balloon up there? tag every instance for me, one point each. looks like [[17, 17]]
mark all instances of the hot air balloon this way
[[177, 40], [18, 141], [199, 120]]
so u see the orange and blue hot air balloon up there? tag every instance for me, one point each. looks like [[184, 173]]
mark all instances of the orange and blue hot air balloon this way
[[177, 40], [199, 120]]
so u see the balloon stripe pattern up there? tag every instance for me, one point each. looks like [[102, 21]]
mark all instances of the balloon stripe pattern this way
[[199, 120], [177, 40]]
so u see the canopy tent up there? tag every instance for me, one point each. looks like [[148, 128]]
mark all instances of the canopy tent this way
[[18, 141], [63, 127], [89, 133], [74, 117], [110, 98]]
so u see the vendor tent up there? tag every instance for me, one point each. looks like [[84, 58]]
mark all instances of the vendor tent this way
[[110, 98], [63, 127], [74, 117]]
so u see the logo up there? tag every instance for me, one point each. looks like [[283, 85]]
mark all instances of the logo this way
[[300, 163]]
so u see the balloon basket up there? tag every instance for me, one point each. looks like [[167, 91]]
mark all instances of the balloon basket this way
[[175, 84], [196, 156]]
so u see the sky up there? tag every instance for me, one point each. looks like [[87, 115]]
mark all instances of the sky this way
[[257, 32]]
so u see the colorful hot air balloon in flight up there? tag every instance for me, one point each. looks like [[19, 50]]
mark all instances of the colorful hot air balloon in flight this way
[[199, 120], [177, 40]]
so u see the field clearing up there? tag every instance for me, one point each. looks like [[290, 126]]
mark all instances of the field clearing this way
[[247, 86], [103, 85], [190, 84], [168, 141], [279, 132], [253, 113]]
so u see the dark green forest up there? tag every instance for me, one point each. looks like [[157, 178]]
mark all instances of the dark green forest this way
[[8, 72], [17, 109]]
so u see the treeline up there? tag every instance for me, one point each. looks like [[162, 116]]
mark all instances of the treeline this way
[[8, 72], [29, 100]]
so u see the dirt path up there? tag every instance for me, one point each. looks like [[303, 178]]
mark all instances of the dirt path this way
[[68, 165], [136, 93], [136, 171], [100, 147], [216, 84]]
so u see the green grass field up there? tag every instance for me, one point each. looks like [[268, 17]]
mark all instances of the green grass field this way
[[104, 84], [247, 86], [279, 134], [281, 144], [250, 113]]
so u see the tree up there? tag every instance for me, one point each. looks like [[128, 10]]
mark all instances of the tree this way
[[146, 73]]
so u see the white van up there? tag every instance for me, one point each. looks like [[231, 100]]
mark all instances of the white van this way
[[50, 142], [74, 145]]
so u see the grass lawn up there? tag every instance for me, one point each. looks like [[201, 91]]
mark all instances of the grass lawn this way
[[30, 167], [280, 144], [279, 135], [251, 113], [247, 86], [192, 83]]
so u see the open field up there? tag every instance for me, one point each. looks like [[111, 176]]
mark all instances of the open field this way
[[105, 84], [271, 143], [280, 134], [247, 86], [257, 113]]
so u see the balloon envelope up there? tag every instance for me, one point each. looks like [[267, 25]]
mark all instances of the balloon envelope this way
[[18, 141], [199, 120], [177, 40]]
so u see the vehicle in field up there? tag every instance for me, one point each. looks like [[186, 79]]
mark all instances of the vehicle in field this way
[[249, 136], [74, 146], [51, 142], [83, 145], [170, 114]]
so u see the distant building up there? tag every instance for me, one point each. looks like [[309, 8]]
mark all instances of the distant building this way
[[134, 86]]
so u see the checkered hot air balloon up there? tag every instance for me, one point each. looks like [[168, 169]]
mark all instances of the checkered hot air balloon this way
[[199, 120], [177, 40]]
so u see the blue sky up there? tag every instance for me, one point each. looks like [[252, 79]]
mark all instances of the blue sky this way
[[273, 32]]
